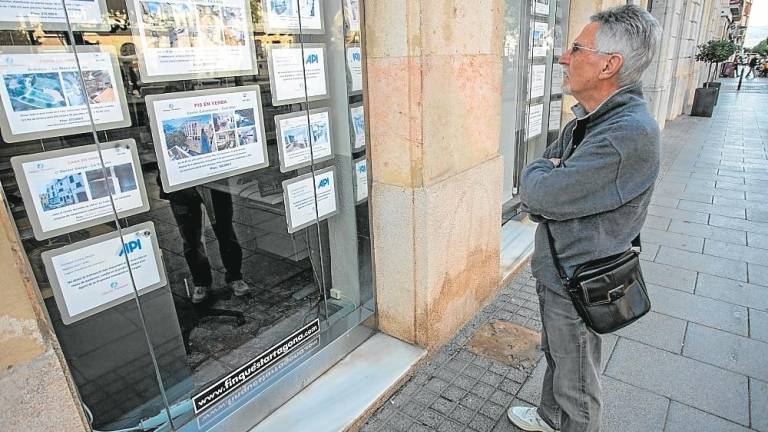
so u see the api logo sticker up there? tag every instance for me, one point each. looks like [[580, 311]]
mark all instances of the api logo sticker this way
[[356, 57], [362, 169], [312, 58], [324, 183], [129, 247]]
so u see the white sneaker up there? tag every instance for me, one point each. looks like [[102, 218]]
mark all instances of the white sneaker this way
[[240, 288], [528, 419], [199, 293]]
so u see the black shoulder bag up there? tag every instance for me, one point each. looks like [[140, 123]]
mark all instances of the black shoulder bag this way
[[608, 293]]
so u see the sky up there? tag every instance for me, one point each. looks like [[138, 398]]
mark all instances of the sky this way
[[758, 23]]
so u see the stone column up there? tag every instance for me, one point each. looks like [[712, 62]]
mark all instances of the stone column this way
[[37, 392], [433, 109]]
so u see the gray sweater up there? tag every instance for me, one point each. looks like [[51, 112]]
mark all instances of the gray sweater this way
[[597, 199]]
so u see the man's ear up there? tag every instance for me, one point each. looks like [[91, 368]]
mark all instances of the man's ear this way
[[612, 66]]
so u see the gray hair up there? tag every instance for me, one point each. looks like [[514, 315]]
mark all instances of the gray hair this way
[[632, 32]]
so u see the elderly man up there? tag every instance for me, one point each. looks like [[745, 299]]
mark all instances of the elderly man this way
[[592, 187]]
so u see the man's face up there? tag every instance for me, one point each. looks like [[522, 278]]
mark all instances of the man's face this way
[[581, 67]]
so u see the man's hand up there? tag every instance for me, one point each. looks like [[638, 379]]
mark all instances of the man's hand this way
[[555, 161]]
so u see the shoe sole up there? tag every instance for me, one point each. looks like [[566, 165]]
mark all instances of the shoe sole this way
[[524, 427]]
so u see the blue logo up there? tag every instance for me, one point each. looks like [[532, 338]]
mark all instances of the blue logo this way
[[130, 247], [312, 58], [356, 56], [324, 183], [113, 285], [362, 169]]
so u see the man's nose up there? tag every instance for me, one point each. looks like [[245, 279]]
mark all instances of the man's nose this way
[[565, 57]]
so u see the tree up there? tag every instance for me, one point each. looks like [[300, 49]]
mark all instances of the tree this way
[[714, 52], [761, 48]]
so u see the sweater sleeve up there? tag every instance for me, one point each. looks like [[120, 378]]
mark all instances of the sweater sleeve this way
[[584, 185]]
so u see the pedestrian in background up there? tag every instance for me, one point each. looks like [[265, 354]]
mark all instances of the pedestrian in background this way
[[592, 187], [752, 65]]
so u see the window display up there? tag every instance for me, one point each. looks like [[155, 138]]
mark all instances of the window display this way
[[355, 68], [185, 39], [539, 39], [535, 117], [282, 16], [206, 135], [83, 15], [310, 197], [300, 144], [538, 77], [361, 179], [294, 70], [42, 96], [357, 117], [67, 190], [92, 275]]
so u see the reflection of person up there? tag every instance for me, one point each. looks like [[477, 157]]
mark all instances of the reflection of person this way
[[752, 65], [187, 205], [592, 187]]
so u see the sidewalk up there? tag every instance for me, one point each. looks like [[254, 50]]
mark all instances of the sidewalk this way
[[698, 361]]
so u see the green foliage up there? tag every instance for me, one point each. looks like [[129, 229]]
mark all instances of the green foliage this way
[[716, 51], [761, 48]]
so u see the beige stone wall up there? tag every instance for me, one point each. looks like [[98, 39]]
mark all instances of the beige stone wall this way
[[37, 394], [433, 108]]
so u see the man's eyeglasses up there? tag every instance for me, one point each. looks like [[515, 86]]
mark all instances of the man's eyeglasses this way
[[575, 47]]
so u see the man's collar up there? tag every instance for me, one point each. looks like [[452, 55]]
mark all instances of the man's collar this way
[[611, 101]]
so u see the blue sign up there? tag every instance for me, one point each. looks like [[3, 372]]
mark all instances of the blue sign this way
[[312, 58], [324, 182], [130, 247]]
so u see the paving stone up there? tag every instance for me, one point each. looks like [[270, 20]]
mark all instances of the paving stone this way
[[472, 401], [757, 215], [531, 390], [703, 263], [482, 423], [443, 405], [759, 403], [738, 224], [462, 414], [734, 212], [664, 201], [732, 291], [758, 325], [736, 252], [677, 214], [608, 343], [668, 276], [703, 310], [628, 408], [658, 330], [712, 389], [683, 418], [666, 238], [710, 232], [732, 352], [758, 274], [431, 418], [746, 204], [657, 222], [649, 251], [757, 240]]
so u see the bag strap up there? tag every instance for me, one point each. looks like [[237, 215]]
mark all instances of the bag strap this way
[[560, 270]]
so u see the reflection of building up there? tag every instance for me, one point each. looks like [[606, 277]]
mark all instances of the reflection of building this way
[[64, 191], [199, 136]]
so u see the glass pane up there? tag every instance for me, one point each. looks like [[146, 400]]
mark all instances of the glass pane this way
[[71, 187]]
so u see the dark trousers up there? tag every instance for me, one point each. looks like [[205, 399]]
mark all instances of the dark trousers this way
[[187, 207]]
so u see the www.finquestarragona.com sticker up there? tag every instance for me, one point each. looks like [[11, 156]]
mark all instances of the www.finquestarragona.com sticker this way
[[208, 397]]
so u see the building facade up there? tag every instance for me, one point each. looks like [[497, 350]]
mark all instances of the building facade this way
[[366, 181]]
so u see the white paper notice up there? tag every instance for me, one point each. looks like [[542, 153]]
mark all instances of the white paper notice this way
[[535, 116], [539, 38], [357, 114], [301, 194], [538, 75], [557, 79], [66, 190], [27, 14], [207, 135], [92, 275], [355, 68], [42, 95], [542, 7], [289, 71], [361, 179], [555, 112], [283, 16], [352, 14], [182, 39], [296, 140]]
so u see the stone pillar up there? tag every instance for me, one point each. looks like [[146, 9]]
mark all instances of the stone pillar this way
[[37, 392], [433, 109]]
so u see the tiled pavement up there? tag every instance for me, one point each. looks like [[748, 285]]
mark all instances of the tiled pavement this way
[[699, 361]]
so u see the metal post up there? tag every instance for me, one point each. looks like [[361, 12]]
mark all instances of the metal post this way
[[741, 75]]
